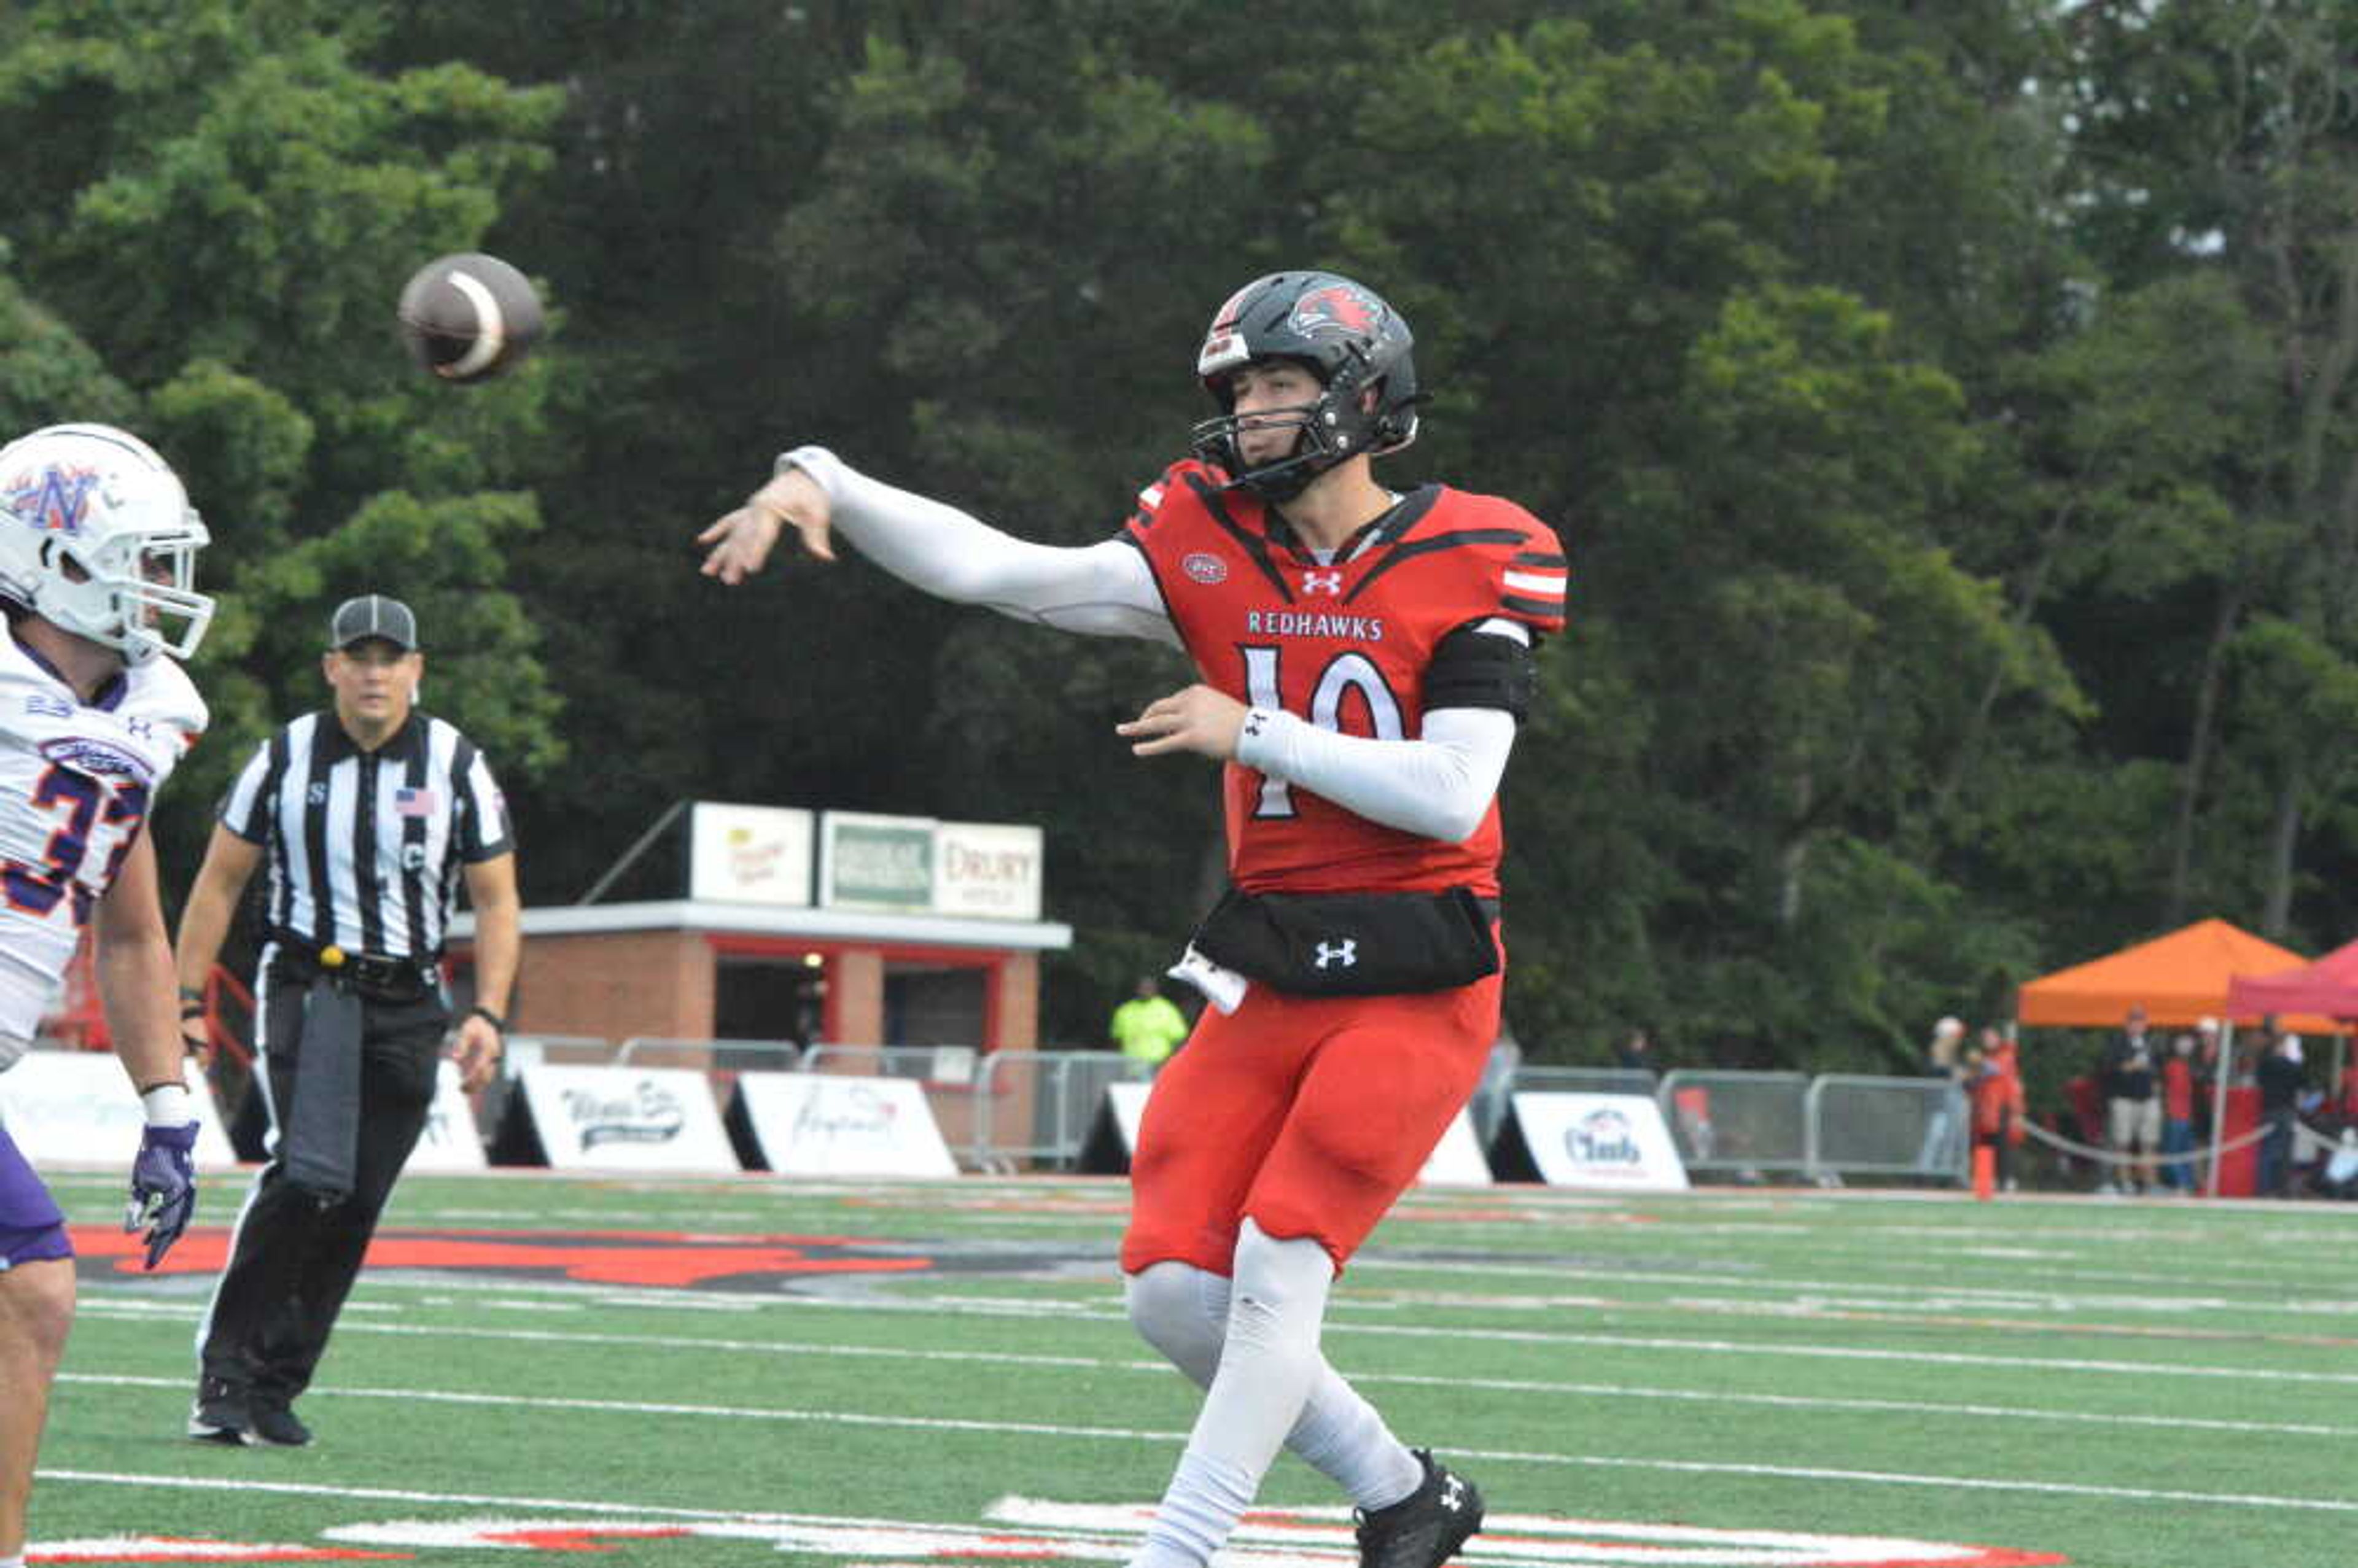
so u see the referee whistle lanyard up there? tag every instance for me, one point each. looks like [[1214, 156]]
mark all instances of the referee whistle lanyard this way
[[323, 1125]]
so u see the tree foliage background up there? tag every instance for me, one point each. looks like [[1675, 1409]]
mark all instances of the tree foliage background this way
[[1947, 409]]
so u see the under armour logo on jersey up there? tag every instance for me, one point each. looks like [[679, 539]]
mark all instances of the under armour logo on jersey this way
[[1343, 954], [1322, 582]]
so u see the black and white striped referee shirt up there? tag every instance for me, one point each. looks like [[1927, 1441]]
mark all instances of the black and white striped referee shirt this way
[[365, 847]]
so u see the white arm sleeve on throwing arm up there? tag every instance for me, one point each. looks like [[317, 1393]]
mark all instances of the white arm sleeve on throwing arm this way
[[1439, 785], [1103, 590]]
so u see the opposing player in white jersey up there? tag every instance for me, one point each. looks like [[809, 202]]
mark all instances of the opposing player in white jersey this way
[[98, 550]]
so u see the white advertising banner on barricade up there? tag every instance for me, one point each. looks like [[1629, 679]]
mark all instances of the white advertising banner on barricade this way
[[816, 1124], [1455, 1160], [1600, 1140], [450, 1141], [76, 1107], [627, 1119]]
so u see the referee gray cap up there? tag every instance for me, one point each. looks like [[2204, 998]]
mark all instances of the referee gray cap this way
[[373, 615]]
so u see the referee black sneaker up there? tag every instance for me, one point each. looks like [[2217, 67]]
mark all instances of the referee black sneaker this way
[[1425, 1528], [276, 1425], [220, 1414]]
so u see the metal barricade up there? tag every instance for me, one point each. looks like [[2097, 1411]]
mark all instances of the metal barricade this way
[[778, 1055], [1586, 1081], [1873, 1126], [1035, 1108], [1753, 1122]]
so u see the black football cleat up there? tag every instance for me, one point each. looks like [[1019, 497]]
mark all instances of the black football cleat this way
[[276, 1425], [220, 1414], [1425, 1528]]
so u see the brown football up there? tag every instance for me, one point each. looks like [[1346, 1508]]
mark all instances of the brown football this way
[[469, 316]]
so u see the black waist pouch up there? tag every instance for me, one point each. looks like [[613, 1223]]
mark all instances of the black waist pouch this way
[[1368, 943]]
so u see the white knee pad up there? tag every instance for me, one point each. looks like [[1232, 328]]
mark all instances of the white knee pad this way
[[1182, 1312]]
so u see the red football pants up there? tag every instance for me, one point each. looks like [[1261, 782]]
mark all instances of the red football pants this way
[[1310, 1115]]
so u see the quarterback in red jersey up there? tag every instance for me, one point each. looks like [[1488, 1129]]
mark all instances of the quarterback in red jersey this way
[[1364, 658]]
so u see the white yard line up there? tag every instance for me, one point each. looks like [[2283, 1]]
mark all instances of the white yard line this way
[[1574, 1461], [866, 1305]]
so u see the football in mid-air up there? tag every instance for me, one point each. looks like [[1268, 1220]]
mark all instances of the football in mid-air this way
[[469, 316]]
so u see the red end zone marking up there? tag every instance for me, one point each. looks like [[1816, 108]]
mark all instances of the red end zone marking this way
[[645, 1258], [582, 1539]]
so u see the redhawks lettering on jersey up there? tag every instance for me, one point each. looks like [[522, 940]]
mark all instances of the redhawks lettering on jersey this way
[[1345, 644]]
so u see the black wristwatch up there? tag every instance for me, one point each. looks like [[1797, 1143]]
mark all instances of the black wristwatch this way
[[488, 1016]]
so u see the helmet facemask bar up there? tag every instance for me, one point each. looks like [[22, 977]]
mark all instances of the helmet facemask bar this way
[[131, 591], [1348, 417]]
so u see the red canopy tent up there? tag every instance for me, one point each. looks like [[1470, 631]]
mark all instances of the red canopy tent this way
[[2328, 987]]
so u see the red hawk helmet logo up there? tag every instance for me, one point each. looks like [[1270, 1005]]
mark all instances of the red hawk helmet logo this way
[[1338, 308]]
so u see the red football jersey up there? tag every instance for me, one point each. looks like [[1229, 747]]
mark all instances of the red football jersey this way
[[1345, 644]]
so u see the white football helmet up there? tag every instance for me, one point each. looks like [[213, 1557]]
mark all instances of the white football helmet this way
[[97, 535]]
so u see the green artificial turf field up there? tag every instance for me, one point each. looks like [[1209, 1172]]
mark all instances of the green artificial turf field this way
[[690, 1373]]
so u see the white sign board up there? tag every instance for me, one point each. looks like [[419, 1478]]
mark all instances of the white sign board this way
[[78, 1108], [987, 869], [450, 1141], [1455, 1160], [627, 1119], [1616, 1142], [817, 1124], [750, 854], [1128, 1103]]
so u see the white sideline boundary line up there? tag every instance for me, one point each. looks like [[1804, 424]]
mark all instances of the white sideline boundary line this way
[[1580, 1461], [1482, 1335]]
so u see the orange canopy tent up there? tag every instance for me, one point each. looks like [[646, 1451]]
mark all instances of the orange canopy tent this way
[[2177, 978]]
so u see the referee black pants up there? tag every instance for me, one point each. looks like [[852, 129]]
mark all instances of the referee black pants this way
[[294, 1260]]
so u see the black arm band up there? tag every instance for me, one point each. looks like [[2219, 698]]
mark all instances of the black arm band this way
[[488, 1016], [1472, 669]]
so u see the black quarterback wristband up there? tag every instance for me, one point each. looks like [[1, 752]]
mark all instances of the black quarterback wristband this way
[[488, 1016]]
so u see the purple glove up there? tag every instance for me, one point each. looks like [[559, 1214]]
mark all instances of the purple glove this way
[[162, 1187]]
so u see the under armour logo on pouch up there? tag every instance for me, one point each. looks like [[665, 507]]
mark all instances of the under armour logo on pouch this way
[[1344, 953]]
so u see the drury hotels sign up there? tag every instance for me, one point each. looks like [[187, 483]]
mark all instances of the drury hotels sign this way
[[915, 865], [897, 865]]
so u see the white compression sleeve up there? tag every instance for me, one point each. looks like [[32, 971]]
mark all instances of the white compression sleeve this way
[[1103, 590], [1438, 786]]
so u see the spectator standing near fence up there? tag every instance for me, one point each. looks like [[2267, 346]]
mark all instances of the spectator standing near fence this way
[[1944, 1062], [2178, 1106], [2132, 1108], [2279, 1074], [367, 816], [1149, 1026]]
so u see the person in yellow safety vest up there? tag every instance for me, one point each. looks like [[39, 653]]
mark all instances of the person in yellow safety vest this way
[[1149, 1026]]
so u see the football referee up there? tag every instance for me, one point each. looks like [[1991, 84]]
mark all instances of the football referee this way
[[367, 816]]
